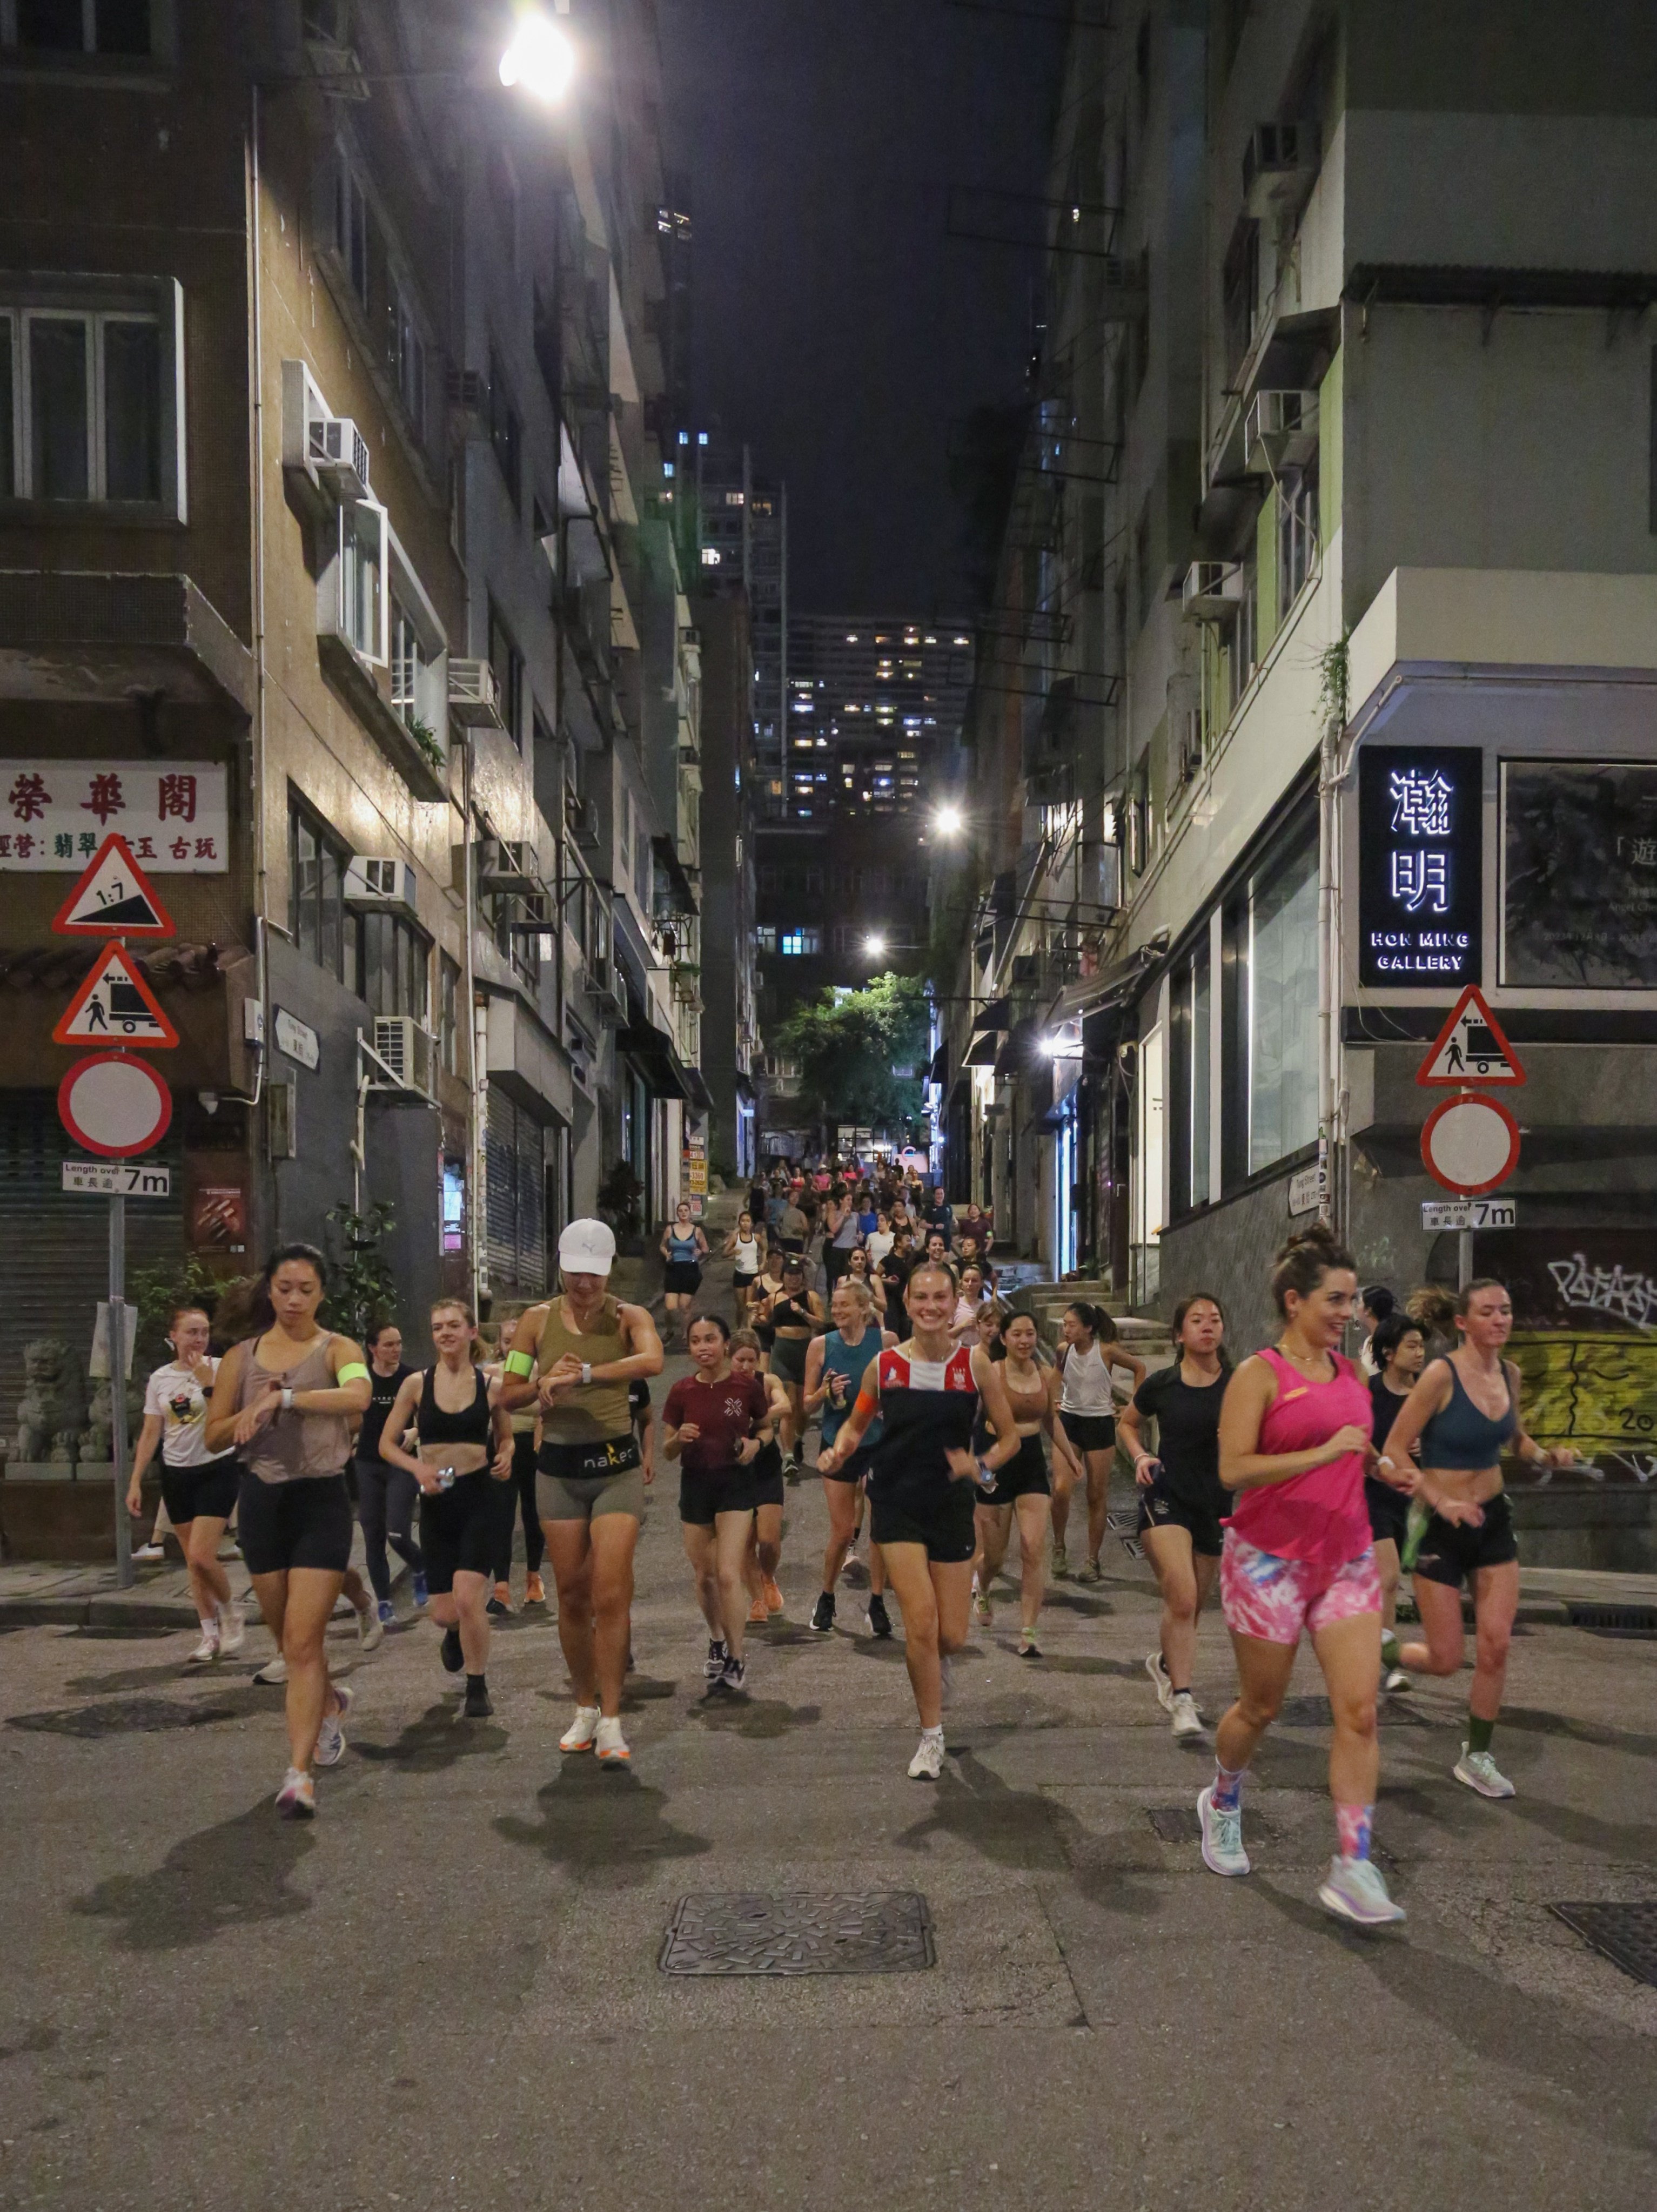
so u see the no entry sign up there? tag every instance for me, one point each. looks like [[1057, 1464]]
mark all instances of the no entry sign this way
[[114, 1105], [1470, 1144]]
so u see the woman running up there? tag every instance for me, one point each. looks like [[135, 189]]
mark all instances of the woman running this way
[[715, 1422], [1182, 1500], [199, 1487], [794, 1315], [288, 1399], [973, 1293], [1400, 1350], [577, 1353], [745, 1248], [766, 1545], [1095, 1369], [1293, 1446], [843, 1234], [386, 1494], [465, 1450], [684, 1248], [1021, 1489], [922, 1483], [1458, 1421], [835, 1366], [860, 1271], [767, 1286]]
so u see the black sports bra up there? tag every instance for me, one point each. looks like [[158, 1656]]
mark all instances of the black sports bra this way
[[470, 1426]]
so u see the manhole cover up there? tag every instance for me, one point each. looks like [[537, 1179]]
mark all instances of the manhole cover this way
[[1176, 1824], [878, 1931], [121, 1717], [1626, 1934]]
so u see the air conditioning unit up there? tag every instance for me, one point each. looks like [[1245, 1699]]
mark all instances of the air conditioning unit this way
[[409, 1052], [1281, 433], [1212, 590], [584, 822], [606, 989], [339, 455], [1280, 165], [475, 697], [375, 884], [508, 868]]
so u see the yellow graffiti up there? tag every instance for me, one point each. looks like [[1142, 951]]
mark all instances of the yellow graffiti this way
[[1596, 1391]]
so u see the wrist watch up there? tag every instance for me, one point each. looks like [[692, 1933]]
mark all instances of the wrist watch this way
[[587, 1370], [287, 1402]]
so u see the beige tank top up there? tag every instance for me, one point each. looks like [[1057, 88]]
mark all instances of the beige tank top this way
[[294, 1447], [598, 1412]]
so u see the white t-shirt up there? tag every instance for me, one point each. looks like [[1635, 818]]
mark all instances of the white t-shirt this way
[[174, 1398], [877, 1244]]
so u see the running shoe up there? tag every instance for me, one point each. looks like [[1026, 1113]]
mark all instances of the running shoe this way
[[387, 1612], [1223, 1836], [758, 1615], [418, 1591], [233, 1632], [477, 1706], [981, 1612], [1157, 1668], [927, 1765], [534, 1590], [612, 1745], [822, 1615], [208, 1648], [371, 1629], [1028, 1647], [1061, 1561], [1187, 1723], [1353, 1890], [1090, 1571], [1480, 1771], [496, 1609], [582, 1731], [150, 1552], [880, 1620], [454, 1657], [1395, 1679], [773, 1599], [273, 1674], [718, 1652], [735, 1676], [297, 1799], [330, 1737]]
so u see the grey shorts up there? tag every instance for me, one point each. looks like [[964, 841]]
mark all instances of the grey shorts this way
[[789, 1358], [564, 1491]]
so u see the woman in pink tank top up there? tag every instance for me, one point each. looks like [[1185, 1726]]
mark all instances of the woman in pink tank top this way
[[1294, 1443]]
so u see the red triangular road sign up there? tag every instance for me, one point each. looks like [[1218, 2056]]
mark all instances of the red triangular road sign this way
[[116, 1006], [1471, 1048], [113, 898]]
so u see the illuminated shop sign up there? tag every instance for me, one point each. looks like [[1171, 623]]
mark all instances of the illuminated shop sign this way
[[1420, 886]]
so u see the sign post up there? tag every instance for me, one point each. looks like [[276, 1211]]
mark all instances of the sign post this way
[[1469, 1143], [123, 1573]]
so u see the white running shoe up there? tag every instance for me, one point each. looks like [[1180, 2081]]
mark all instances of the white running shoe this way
[[232, 1633], [1187, 1722], [297, 1799], [981, 1611], [1157, 1668], [582, 1731], [150, 1552], [330, 1737], [371, 1629], [208, 1648], [1353, 1890], [273, 1674], [612, 1744], [1395, 1679], [1223, 1836], [1480, 1771], [927, 1765]]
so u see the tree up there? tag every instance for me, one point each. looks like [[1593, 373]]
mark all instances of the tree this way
[[848, 1046]]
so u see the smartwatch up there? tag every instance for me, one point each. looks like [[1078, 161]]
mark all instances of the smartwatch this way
[[287, 1402], [587, 1370]]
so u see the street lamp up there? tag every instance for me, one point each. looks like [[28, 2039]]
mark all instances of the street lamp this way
[[874, 945], [539, 59], [948, 821]]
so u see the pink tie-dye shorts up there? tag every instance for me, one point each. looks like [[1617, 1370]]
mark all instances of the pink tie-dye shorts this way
[[1275, 1599]]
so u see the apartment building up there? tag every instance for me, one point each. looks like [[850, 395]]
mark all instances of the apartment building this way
[[334, 574]]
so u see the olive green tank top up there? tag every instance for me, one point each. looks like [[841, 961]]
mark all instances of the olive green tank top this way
[[588, 1415]]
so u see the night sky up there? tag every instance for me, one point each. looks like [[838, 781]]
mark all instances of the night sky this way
[[838, 329]]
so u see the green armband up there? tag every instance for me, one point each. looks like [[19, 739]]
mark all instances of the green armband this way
[[520, 1362], [352, 1373]]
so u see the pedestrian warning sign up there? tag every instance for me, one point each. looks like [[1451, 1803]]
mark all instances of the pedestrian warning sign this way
[[116, 1006], [113, 898], [1471, 1047]]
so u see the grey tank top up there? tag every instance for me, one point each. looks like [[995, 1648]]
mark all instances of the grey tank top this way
[[296, 1447]]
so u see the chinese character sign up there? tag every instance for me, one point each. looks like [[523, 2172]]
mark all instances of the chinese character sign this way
[[1420, 877], [54, 814]]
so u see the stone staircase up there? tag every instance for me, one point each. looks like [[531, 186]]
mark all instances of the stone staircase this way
[[1147, 1337]]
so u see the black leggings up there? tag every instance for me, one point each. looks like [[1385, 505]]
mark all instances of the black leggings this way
[[523, 1481], [384, 1506]]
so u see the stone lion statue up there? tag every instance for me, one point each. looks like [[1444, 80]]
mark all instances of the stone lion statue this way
[[99, 1440], [54, 1403]]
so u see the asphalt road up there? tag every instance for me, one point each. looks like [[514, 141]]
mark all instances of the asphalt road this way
[[447, 1991]]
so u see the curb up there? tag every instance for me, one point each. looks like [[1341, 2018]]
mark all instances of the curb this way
[[118, 1609]]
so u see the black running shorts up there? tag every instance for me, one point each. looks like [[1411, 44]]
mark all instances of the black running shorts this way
[[304, 1524]]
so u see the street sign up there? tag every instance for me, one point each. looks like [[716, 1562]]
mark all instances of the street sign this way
[[116, 1006], [117, 1179], [114, 1105], [1471, 1048], [113, 898], [1470, 1144], [1469, 1214]]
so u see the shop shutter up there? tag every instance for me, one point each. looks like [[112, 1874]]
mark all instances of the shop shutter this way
[[517, 1206], [532, 1207]]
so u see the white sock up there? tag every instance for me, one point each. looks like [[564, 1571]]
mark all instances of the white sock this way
[[932, 1735], [210, 1621]]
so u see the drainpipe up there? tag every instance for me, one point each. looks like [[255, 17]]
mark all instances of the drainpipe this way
[[477, 1130]]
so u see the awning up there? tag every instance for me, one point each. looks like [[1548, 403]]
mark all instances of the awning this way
[[651, 1051], [681, 890], [939, 1071], [997, 1015], [981, 1053], [1089, 994], [1018, 1055]]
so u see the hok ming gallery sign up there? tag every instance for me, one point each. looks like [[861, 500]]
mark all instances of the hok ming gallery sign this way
[[1421, 882], [54, 814]]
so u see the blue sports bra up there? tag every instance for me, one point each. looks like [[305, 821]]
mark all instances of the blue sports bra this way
[[1462, 1437], [683, 1249]]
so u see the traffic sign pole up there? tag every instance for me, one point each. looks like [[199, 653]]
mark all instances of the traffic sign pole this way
[[124, 1568]]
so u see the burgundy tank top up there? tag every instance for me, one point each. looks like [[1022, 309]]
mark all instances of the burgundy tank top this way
[[1319, 1516]]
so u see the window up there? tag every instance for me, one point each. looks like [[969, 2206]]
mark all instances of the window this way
[[316, 890], [393, 964], [1192, 1002], [363, 598], [797, 942], [408, 358], [351, 228], [1281, 1006], [813, 883], [79, 27], [505, 433], [1242, 641], [87, 410], [766, 939], [508, 666], [449, 1013], [1297, 536], [1240, 288]]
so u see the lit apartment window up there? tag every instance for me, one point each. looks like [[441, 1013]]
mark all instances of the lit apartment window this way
[[766, 939], [799, 943], [711, 556], [79, 27], [90, 408]]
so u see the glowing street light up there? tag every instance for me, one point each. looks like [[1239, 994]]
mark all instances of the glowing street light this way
[[949, 821], [540, 58], [874, 945]]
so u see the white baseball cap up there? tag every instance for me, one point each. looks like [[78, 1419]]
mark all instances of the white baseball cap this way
[[587, 1248]]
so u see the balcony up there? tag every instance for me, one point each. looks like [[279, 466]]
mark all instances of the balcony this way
[[86, 638]]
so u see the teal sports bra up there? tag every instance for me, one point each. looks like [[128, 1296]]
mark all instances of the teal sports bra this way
[[1462, 1437]]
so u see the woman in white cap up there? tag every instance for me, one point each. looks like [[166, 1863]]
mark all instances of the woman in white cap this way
[[577, 1354]]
